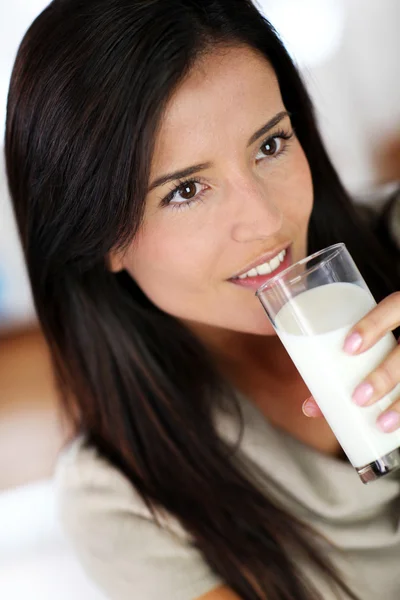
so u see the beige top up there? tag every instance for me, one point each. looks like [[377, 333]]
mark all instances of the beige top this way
[[130, 557]]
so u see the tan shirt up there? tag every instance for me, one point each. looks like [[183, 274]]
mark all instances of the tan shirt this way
[[131, 558]]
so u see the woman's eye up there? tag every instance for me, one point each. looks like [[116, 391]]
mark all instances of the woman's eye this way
[[185, 192], [271, 147]]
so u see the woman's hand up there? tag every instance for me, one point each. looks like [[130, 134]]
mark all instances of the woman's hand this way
[[385, 317]]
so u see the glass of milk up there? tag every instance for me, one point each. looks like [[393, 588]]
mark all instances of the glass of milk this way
[[312, 305]]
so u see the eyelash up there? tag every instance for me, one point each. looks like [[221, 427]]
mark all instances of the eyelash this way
[[167, 200]]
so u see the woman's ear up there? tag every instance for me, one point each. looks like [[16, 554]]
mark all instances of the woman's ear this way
[[115, 262]]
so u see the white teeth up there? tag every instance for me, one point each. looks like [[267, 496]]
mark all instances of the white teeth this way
[[275, 262], [265, 268]]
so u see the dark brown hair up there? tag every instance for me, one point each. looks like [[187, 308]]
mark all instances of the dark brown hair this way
[[89, 86]]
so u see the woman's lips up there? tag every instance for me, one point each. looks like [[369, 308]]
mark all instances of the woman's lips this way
[[254, 283]]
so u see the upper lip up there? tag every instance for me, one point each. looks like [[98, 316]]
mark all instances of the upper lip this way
[[261, 259]]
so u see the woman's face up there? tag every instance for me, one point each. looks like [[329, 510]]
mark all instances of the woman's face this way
[[230, 188]]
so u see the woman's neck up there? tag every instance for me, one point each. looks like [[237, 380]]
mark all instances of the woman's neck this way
[[262, 370]]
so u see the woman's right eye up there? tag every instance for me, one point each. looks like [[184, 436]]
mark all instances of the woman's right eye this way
[[185, 193]]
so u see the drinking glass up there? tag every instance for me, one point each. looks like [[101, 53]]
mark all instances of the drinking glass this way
[[312, 305]]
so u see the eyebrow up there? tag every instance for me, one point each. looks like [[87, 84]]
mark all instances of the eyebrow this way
[[268, 126], [203, 166], [179, 175]]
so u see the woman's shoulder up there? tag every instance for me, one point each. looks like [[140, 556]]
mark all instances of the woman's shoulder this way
[[87, 481], [118, 542]]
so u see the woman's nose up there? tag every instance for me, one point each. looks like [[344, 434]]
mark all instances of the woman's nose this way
[[257, 216]]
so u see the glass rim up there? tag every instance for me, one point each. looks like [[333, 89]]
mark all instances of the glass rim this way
[[334, 249]]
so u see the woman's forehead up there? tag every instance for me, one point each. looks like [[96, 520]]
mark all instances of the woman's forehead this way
[[228, 92]]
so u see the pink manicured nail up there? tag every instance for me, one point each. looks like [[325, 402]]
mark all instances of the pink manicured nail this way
[[389, 421], [363, 393], [352, 343], [309, 409]]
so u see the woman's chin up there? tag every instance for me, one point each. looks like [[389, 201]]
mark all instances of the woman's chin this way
[[256, 327], [266, 329]]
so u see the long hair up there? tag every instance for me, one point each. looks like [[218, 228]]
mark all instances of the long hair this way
[[88, 90]]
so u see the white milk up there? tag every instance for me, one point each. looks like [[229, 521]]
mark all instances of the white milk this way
[[332, 375]]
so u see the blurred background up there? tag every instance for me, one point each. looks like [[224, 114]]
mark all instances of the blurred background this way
[[347, 51]]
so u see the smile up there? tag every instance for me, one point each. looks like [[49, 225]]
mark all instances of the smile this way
[[265, 268], [259, 273]]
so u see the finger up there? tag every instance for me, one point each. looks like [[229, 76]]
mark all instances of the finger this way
[[389, 420], [380, 382], [310, 408], [370, 329]]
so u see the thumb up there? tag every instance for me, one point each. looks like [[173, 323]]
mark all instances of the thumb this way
[[310, 408]]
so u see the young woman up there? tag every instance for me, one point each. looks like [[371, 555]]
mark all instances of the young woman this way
[[156, 152]]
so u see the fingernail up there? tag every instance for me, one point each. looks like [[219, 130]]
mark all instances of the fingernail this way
[[352, 343], [363, 393], [389, 421], [309, 409]]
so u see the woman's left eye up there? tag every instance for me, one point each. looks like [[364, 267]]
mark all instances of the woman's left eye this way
[[273, 146]]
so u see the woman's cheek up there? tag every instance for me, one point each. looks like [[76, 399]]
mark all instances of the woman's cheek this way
[[170, 256]]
